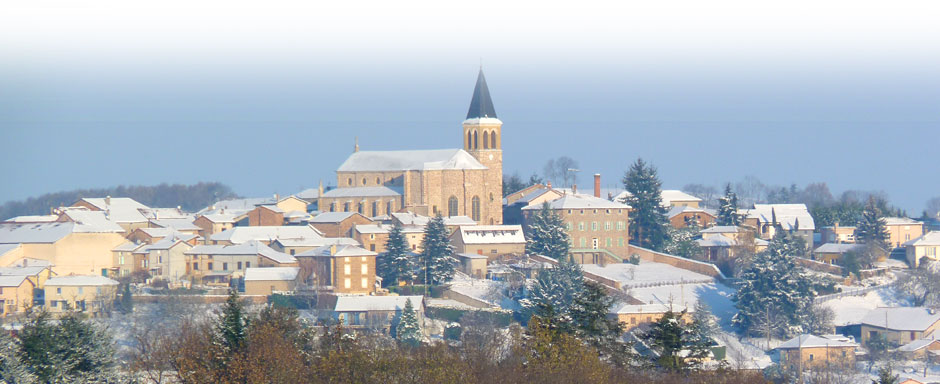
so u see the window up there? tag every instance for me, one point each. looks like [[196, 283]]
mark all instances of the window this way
[[375, 208], [619, 241], [247, 264], [372, 247], [452, 206], [239, 265], [349, 181], [594, 243], [121, 261], [568, 226], [58, 291], [360, 208], [333, 207], [594, 226], [365, 282], [378, 181], [476, 140], [224, 266], [347, 269], [486, 139], [606, 225], [209, 266], [913, 336], [345, 207], [160, 259], [81, 290], [475, 204], [470, 140], [493, 140], [388, 208], [55, 304], [347, 283], [292, 251], [196, 266], [365, 269], [609, 241], [363, 181], [581, 226], [493, 251], [583, 242], [810, 357]]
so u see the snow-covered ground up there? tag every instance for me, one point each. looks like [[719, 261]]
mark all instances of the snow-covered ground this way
[[646, 273], [851, 309], [487, 290]]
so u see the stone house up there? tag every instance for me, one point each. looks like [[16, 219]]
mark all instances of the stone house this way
[[16, 294], [899, 325], [341, 268], [493, 241], [809, 351], [338, 224], [71, 247], [598, 228], [374, 237], [84, 293], [265, 281], [902, 230], [926, 245]]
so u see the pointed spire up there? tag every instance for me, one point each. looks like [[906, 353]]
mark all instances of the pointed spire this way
[[481, 105]]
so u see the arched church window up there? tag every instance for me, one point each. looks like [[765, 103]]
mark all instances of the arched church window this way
[[469, 139], [349, 181], [360, 208], [486, 139], [375, 208], [388, 208], [493, 140], [476, 144], [452, 206], [333, 207], [363, 181], [345, 207], [475, 208], [378, 181]]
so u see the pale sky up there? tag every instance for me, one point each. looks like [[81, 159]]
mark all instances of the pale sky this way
[[267, 96]]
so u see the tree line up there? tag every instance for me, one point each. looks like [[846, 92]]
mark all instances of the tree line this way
[[191, 197]]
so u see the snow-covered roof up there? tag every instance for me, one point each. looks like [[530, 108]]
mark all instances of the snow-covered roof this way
[[223, 217], [901, 221], [378, 191], [11, 280], [4, 248], [237, 204], [165, 213], [22, 271], [120, 209], [34, 233], [309, 194], [247, 248], [722, 229], [332, 217], [167, 242], [127, 247], [648, 308], [838, 248], [416, 160], [902, 318], [91, 221], [183, 224], [315, 242], [680, 209], [408, 218], [385, 228], [337, 250], [32, 219], [271, 274], [80, 280], [931, 238], [271, 207], [492, 234], [787, 215], [674, 195], [717, 241], [812, 341], [266, 233], [471, 256], [29, 261], [917, 345], [579, 201], [376, 303]]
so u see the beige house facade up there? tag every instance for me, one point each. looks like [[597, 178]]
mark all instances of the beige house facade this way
[[82, 293]]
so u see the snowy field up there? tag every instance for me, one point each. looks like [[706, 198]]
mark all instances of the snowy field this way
[[851, 309], [645, 273]]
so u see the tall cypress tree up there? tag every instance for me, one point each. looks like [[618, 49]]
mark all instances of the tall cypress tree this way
[[648, 222], [437, 253], [728, 208], [872, 229], [547, 235], [397, 263]]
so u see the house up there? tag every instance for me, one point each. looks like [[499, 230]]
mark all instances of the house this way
[[124, 211], [808, 351], [219, 264], [636, 315], [926, 245], [266, 215], [266, 235], [902, 230], [265, 281], [832, 253], [212, 223], [374, 236], [916, 349], [338, 224], [536, 194], [83, 293], [794, 218], [598, 227], [36, 273], [684, 216], [472, 264], [837, 234], [493, 241], [126, 261], [165, 259], [375, 312], [341, 268], [16, 294], [723, 241], [293, 246], [899, 325], [71, 247]]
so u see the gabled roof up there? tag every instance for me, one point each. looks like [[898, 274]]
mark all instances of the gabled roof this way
[[385, 228], [917, 345], [91, 221], [492, 234], [12, 280], [272, 274], [181, 224], [223, 217], [408, 218], [901, 221], [127, 247], [376, 303], [379, 191], [786, 214], [337, 250], [315, 242], [266, 233], [164, 213], [811, 341], [334, 217], [416, 160], [34, 233], [931, 238], [722, 229], [32, 219], [579, 201], [22, 271], [481, 104], [80, 280], [168, 242], [680, 209], [309, 194], [671, 195], [248, 248], [120, 209], [902, 318]]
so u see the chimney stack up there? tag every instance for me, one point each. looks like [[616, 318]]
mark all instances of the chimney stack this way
[[574, 189], [107, 200], [597, 185]]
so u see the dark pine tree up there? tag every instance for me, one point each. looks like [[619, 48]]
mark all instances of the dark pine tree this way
[[547, 235], [397, 262], [648, 222], [872, 229], [437, 254], [232, 323], [728, 208]]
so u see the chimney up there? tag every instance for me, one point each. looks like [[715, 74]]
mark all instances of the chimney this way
[[107, 200], [320, 189], [549, 184], [574, 189], [276, 198], [597, 185]]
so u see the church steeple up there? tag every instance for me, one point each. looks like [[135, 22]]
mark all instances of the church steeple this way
[[481, 105]]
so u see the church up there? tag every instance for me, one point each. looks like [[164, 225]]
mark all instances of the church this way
[[464, 181]]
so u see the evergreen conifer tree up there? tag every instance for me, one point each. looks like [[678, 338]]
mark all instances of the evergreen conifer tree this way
[[872, 229], [408, 330], [682, 243], [648, 222], [728, 208], [774, 297], [127, 300], [398, 264], [665, 336], [591, 323], [232, 323], [72, 350], [437, 253], [554, 289], [547, 235]]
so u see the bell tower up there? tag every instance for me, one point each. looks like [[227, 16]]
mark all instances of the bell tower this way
[[482, 138]]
